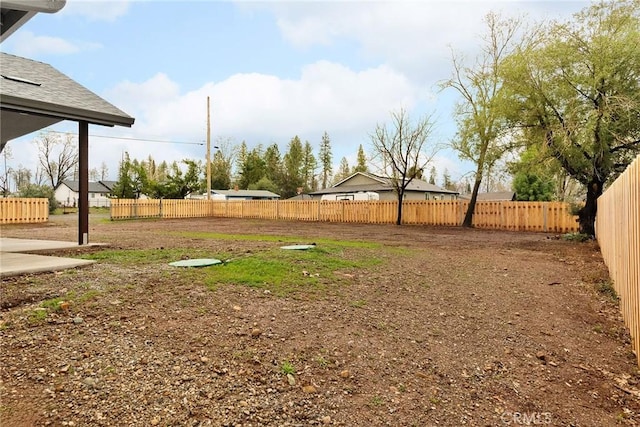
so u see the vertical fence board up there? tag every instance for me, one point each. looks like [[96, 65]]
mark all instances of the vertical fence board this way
[[618, 233], [515, 216], [24, 210]]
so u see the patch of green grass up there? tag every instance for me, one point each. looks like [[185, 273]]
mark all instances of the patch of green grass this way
[[377, 401], [287, 368], [53, 304], [576, 237], [87, 296], [358, 303], [146, 256], [322, 361], [37, 316], [606, 289], [278, 239], [283, 272]]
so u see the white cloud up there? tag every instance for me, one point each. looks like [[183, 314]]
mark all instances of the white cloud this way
[[413, 37], [96, 10], [263, 108], [26, 43]]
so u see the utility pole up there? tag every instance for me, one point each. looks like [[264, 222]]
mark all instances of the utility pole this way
[[208, 150]]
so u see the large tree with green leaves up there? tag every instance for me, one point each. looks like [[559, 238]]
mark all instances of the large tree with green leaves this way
[[134, 180], [180, 183], [577, 92], [479, 114], [403, 148]]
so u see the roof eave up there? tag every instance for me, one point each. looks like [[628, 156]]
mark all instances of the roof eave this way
[[45, 6], [64, 112]]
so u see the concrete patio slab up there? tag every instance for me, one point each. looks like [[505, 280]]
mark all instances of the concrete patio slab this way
[[8, 244], [13, 264]]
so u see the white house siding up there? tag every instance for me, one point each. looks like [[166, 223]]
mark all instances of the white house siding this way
[[67, 197]]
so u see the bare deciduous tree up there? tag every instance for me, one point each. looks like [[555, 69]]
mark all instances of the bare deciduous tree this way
[[57, 156], [404, 149]]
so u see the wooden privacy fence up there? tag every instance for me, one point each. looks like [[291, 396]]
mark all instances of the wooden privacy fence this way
[[551, 217], [618, 232], [23, 210]]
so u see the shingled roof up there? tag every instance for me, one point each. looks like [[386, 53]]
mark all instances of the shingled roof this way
[[94, 187], [380, 183], [48, 96]]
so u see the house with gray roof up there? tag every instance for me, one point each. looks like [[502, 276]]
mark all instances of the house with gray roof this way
[[367, 183], [68, 192]]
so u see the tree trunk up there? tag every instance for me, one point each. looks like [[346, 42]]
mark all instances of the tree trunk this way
[[587, 215], [399, 217], [468, 217]]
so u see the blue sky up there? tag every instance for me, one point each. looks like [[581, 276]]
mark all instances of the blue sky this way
[[273, 70]]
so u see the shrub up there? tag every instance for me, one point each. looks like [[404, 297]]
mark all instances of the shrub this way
[[40, 191]]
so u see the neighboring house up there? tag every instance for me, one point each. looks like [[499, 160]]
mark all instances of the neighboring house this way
[[68, 192], [302, 196], [237, 195], [495, 196], [362, 186]]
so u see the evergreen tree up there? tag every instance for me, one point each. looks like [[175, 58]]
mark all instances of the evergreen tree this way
[[273, 166], [531, 187], [123, 188], [220, 172], [180, 183], [241, 155], [344, 171], [293, 164], [362, 161], [432, 175], [253, 169], [326, 159], [447, 183], [309, 165]]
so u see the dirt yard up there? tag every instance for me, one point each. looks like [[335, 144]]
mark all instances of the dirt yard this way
[[447, 327]]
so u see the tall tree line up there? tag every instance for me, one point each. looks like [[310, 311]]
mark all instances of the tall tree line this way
[[296, 171]]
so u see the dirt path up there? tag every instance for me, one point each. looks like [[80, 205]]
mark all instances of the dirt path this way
[[452, 327]]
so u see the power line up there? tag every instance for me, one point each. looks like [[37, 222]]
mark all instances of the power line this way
[[134, 139]]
